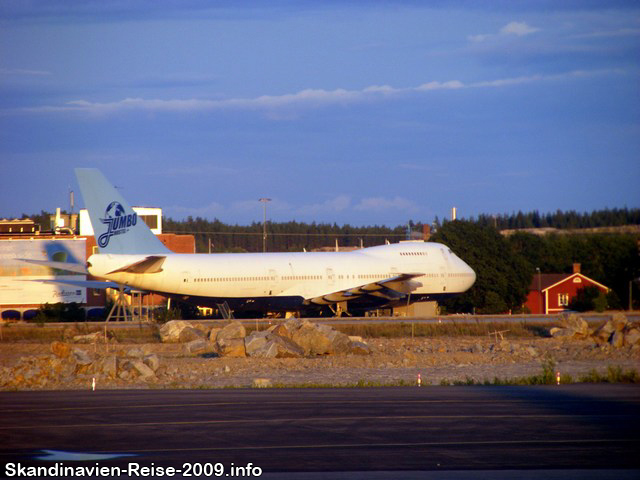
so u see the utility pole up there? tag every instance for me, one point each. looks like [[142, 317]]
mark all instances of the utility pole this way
[[264, 223], [539, 290]]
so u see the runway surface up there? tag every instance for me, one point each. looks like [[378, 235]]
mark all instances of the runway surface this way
[[446, 431]]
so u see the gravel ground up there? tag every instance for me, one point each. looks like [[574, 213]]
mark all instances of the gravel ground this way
[[392, 361]]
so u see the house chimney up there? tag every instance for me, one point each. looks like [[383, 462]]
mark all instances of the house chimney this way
[[576, 268]]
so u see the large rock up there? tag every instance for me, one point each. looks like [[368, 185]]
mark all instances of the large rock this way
[[619, 321], [189, 334], [603, 334], [632, 337], [232, 347], [142, 369], [170, 331], [577, 325], [152, 361], [107, 365], [198, 346], [359, 348], [94, 337], [61, 349], [617, 339], [340, 343], [307, 335], [255, 341], [230, 331], [285, 347]]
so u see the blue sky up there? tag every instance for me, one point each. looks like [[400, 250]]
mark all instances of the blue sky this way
[[368, 112]]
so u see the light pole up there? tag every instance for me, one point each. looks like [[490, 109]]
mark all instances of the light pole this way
[[539, 290], [264, 223]]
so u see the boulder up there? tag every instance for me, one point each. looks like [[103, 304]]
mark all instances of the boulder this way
[[232, 347], [81, 356], [603, 334], [309, 337], [152, 361], [233, 330], [213, 333], [255, 341], [170, 331], [107, 365], [617, 339], [198, 346], [577, 325], [61, 349], [280, 330], [360, 348], [340, 343], [135, 352], [94, 337], [143, 370], [189, 334], [632, 337], [560, 332], [619, 321], [285, 347]]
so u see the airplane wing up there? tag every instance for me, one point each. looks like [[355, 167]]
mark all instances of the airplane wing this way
[[388, 289], [151, 264], [69, 267]]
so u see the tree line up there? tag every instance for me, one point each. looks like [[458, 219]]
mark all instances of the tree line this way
[[563, 220], [505, 265]]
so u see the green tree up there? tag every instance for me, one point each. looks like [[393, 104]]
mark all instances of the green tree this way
[[503, 276]]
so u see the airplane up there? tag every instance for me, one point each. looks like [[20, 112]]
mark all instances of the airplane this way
[[375, 277]]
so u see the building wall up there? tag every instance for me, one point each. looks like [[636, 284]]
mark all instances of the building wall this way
[[19, 296], [568, 288], [551, 295]]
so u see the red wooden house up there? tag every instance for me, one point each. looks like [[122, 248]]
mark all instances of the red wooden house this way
[[552, 292]]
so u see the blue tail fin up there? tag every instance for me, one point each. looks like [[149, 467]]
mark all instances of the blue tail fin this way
[[116, 226]]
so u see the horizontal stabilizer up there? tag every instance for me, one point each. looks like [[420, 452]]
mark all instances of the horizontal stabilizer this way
[[151, 264], [69, 267], [96, 284]]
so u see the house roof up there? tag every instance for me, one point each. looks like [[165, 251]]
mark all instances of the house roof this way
[[548, 280]]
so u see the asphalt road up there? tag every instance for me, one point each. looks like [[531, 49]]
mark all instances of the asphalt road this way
[[446, 431]]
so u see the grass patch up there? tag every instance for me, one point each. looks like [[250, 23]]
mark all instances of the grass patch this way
[[407, 329], [43, 333], [615, 374]]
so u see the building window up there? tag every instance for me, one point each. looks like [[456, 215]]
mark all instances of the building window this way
[[563, 299]]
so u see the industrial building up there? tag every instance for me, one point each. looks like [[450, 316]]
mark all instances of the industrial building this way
[[25, 287]]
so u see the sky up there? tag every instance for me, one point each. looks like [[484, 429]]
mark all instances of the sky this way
[[358, 112]]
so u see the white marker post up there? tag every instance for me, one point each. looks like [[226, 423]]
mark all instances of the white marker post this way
[[419, 381], [93, 384], [558, 378]]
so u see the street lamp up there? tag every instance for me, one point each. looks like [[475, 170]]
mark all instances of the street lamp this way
[[264, 223]]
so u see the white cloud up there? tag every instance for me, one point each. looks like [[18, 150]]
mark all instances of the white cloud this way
[[285, 106], [519, 29], [382, 203], [336, 204]]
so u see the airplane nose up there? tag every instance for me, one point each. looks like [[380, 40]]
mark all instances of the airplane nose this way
[[470, 276]]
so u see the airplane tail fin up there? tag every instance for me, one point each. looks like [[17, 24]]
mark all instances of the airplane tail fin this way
[[116, 227]]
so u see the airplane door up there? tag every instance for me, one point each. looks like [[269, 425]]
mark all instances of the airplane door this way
[[273, 281], [444, 271], [331, 277]]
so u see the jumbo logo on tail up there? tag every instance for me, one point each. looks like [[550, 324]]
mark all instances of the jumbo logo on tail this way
[[117, 221]]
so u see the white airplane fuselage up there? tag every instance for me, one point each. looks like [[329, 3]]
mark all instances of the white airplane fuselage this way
[[290, 281]]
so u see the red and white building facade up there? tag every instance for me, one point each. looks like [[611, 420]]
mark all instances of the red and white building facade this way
[[552, 292]]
